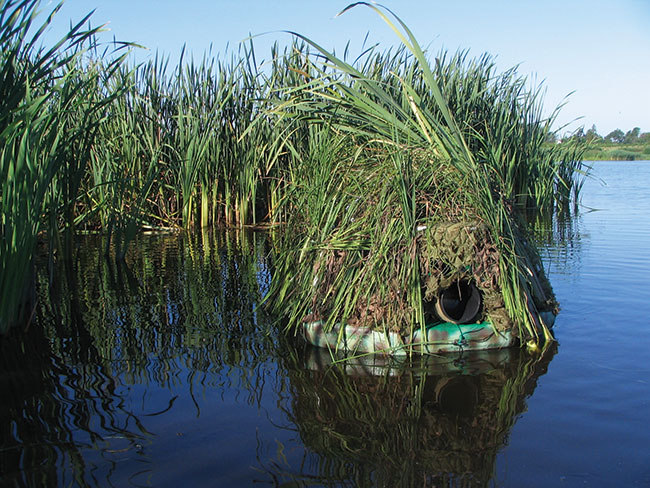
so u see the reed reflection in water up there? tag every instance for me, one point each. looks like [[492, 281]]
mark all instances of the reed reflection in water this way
[[164, 372], [113, 347], [434, 421]]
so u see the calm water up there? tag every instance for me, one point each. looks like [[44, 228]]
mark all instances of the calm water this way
[[165, 373]]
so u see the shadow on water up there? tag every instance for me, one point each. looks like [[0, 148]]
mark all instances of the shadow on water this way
[[432, 421], [180, 313], [127, 372]]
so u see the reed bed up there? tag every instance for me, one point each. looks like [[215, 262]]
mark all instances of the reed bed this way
[[92, 142], [42, 94]]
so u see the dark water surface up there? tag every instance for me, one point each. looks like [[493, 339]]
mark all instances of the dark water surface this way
[[164, 372]]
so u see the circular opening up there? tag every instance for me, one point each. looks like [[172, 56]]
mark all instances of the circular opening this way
[[460, 303]]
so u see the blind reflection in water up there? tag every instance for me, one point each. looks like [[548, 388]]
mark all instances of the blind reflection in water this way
[[435, 421]]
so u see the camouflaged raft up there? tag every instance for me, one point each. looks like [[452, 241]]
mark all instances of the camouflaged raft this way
[[449, 254]]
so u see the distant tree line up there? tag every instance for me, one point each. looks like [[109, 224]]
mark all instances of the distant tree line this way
[[617, 136], [617, 145]]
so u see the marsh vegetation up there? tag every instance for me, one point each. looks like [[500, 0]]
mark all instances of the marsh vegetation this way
[[632, 145], [349, 158], [140, 353]]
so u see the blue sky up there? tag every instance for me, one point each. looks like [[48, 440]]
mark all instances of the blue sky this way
[[599, 50]]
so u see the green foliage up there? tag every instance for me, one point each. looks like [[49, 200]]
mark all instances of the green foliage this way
[[632, 136], [616, 145], [592, 135], [417, 145], [42, 91], [354, 157], [616, 136]]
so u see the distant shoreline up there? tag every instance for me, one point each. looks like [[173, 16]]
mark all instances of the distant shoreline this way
[[639, 160], [618, 152]]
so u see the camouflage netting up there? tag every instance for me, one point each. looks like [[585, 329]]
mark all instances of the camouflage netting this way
[[463, 251]]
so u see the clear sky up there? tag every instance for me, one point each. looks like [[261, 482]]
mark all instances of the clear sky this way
[[597, 49]]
